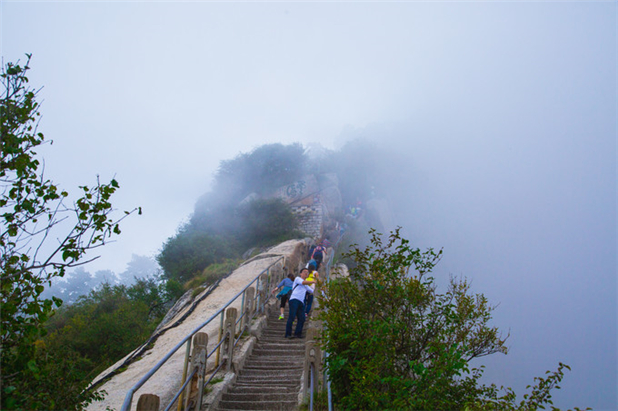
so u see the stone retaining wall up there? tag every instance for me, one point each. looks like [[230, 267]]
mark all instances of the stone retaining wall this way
[[311, 219]]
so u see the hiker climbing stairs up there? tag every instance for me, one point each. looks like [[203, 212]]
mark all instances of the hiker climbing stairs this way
[[271, 376]]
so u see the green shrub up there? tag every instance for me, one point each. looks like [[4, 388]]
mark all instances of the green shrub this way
[[173, 289], [197, 291], [266, 222], [212, 273], [263, 170], [394, 342], [190, 251]]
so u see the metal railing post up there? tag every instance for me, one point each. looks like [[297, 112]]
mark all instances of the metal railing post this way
[[148, 402], [219, 340], [313, 358], [248, 308], [258, 293], [230, 332], [242, 307], [262, 293], [198, 361], [184, 371]]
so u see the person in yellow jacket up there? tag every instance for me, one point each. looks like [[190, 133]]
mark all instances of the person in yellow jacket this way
[[315, 277]]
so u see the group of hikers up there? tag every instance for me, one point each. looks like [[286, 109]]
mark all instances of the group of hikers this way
[[297, 292]]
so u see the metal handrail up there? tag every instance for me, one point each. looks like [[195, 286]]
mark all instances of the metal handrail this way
[[126, 406]]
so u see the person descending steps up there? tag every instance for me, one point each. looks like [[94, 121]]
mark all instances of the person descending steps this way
[[285, 291]]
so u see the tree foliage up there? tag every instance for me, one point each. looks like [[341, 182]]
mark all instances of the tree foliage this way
[[109, 322], [505, 399], [395, 342], [87, 337], [42, 234], [262, 170], [190, 251], [223, 226], [265, 222], [195, 247]]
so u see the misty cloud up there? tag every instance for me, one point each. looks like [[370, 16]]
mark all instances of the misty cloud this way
[[497, 122]]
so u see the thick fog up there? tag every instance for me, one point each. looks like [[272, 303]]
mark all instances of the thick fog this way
[[499, 122]]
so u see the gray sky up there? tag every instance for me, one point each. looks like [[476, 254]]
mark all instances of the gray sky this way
[[505, 113]]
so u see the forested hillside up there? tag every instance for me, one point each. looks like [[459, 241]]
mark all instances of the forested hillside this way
[[242, 211]]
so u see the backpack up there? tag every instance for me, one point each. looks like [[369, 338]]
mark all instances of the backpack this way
[[285, 291], [310, 251], [317, 253], [312, 265]]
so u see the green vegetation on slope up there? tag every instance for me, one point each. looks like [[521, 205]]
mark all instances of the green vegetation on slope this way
[[240, 212], [223, 226]]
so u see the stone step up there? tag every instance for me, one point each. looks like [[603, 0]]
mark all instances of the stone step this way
[[261, 387], [277, 352], [232, 409], [282, 345], [281, 325], [280, 337], [273, 366], [270, 374], [273, 373], [259, 405], [261, 396], [267, 380], [278, 331], [280, 342], [265, 389], [292, 345], [277, 358], [277, 327]]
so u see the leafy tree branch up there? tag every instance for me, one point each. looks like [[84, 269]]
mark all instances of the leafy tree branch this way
[[40, 237]]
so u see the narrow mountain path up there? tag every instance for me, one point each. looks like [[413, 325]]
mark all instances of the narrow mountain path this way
[[271, 377]]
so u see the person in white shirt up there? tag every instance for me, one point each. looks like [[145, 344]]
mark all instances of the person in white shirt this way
[[296, 304]]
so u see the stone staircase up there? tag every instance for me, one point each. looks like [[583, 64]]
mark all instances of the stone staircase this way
[[271, 376]]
